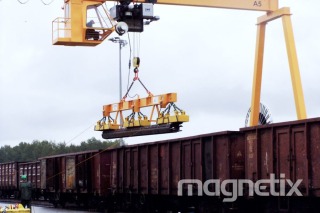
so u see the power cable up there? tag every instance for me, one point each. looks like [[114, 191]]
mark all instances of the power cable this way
[[130, 53], [47, 3], [83, 131], [95, 154], [43, 2], [23, 2]]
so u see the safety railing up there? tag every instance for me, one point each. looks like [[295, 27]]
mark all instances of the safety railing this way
[[61, 29]]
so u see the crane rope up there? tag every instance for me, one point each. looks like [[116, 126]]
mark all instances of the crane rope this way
[[136, 44], [129, 68], [136, 64], [135, 48]]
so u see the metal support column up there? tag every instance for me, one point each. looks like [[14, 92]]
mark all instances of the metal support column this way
[[293, 64], [257, 75], [294, 68]]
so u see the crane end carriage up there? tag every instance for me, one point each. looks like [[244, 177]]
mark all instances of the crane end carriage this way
[[168, 120]]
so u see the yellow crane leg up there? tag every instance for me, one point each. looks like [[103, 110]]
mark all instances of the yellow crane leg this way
[[293, 64], [257, 75], [294, 68]]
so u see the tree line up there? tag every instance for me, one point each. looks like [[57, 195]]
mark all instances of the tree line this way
[[32, 151]]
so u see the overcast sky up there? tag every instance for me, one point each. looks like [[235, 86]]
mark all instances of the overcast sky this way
[[206, 55]]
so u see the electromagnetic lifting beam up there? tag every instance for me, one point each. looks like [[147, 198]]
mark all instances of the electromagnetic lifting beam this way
[[137, 123]]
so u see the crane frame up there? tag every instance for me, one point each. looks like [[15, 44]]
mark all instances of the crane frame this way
[[78, 29], [257, 5], [262, 21]]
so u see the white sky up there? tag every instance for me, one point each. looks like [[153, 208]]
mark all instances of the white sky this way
[[206, 55]]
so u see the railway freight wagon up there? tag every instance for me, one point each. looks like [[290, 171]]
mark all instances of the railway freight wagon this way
[[287, 152], [10, 178], [32, 170], [67, 177], [146, 176], [267, 168], [9, 183]]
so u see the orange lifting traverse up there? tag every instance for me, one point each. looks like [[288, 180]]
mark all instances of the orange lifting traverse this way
[[142, 124]]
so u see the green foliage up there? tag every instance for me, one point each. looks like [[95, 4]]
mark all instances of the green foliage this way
[[32, 151]]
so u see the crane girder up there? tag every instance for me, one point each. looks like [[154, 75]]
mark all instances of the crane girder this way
[[260, 5]]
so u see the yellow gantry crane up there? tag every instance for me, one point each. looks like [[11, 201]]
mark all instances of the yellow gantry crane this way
[[76, 29]]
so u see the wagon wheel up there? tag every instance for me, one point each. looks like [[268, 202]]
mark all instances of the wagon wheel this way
[[128, 197], [142, 199], [62, 203], [58, 200], [54, 199]]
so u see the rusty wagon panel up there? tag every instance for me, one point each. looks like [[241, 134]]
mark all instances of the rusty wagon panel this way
[[32, 170], [101, 170], [8, 176], [156, 168], [290, 149], [68, 172]]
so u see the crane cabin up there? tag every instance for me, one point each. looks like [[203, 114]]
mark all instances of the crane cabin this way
[[85, 23]]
